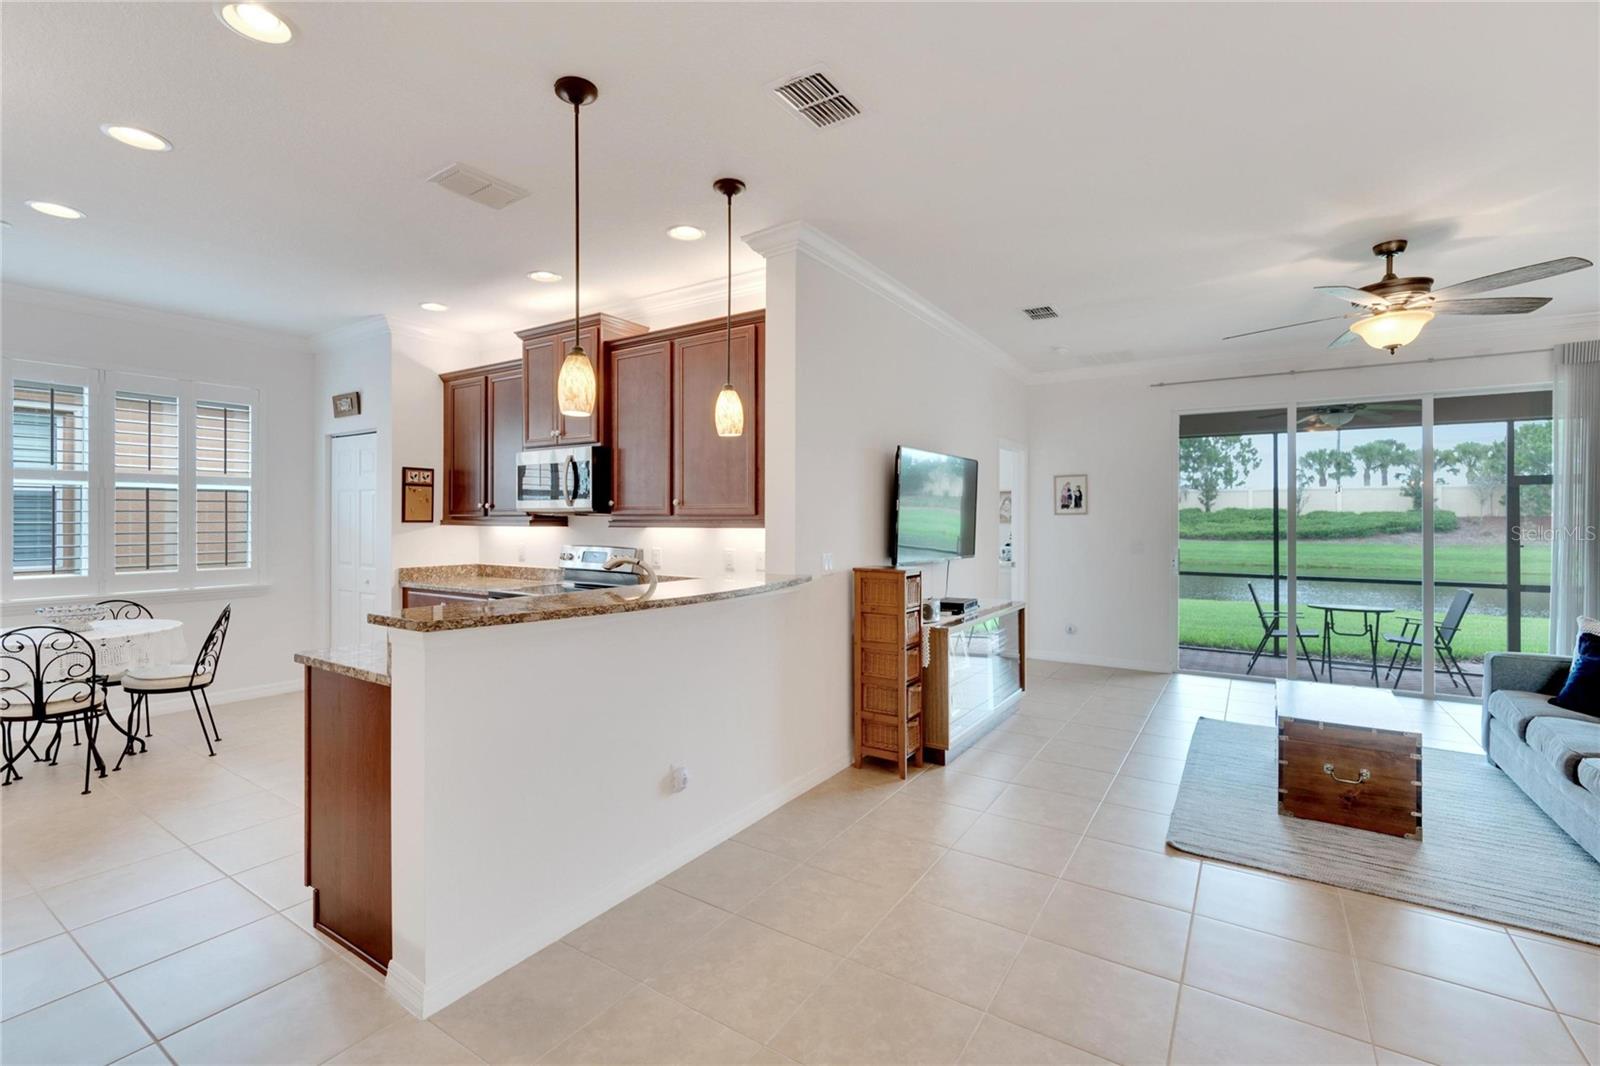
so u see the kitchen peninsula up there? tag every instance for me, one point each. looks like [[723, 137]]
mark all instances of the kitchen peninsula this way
[[529, 738]]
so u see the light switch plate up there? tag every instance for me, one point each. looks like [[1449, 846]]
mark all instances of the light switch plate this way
[[727, 560], [827, 562], [761, 562], [655, 557]]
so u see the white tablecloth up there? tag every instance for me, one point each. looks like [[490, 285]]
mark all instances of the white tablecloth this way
[[122, 643]]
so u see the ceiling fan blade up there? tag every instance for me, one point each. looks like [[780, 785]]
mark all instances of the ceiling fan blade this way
[[1493, 305], [1343, 339], [1292, 325], [1507, 278], [1355, 296]]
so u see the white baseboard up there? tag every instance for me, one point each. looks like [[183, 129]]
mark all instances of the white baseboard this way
[[424, 998], [1056, 656], [161, 705]]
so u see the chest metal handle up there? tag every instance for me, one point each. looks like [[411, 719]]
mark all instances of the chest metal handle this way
[[1361, 778]]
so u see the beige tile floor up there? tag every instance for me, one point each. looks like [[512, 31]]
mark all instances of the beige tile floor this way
[[1018, 906]]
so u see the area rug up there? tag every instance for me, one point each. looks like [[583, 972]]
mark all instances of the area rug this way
[[1486, 850]]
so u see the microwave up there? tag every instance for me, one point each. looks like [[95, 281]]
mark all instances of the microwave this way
[[565, 480]]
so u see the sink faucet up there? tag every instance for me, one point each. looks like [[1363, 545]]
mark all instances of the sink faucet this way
[[618, 561]]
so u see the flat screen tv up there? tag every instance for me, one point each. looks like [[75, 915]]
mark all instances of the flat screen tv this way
[[935, 507]]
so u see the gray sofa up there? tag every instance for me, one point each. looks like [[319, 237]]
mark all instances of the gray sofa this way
[[1552, 754]]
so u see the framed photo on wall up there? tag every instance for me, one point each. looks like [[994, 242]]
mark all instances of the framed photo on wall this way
[[1005, 506], [1072, 494], [416, 494]]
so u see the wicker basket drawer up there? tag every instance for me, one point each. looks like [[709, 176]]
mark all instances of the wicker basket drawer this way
[[880, 732], [914, 627], [880, 629], [914, 735], [880, 698], [914, 591], [879, 663], [913, 663], [880, 591], [914, 700]]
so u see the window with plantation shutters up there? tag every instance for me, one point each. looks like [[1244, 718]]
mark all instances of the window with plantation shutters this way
[[49, 478], [222, 465], [145, 495]]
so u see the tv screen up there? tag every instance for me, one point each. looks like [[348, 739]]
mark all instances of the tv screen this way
[[935, 506]]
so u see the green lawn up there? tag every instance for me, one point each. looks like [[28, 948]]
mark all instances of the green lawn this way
[[1231, 624], [1344, 558]]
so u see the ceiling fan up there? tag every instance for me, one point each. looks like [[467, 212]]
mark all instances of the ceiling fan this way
[[1392, 310], [1338, 415]]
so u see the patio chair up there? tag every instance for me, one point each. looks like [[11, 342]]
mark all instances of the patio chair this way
[[1272, 629], [1444, 635]]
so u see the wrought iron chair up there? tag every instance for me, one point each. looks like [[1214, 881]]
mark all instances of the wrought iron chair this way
[[48, 675], [126, 609], [1444, 635], [1272, 629], [141, 681]]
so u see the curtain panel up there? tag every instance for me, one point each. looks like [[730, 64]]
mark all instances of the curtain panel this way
[[1575, 559]]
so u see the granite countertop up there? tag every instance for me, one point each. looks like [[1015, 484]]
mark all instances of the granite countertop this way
[[363, 664], [480, 578], [679, 592]]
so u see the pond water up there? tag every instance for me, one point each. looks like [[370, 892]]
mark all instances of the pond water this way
[[1399, 597]]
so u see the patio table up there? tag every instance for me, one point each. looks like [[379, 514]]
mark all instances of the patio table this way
[[1371, 624]]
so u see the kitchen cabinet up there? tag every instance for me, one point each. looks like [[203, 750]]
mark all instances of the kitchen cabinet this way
[[543, 350], [483, 432], [669, 465]]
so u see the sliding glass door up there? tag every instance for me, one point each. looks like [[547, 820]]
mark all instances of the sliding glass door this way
[[1354, 481]]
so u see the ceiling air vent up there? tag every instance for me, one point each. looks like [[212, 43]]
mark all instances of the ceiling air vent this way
[[815, 98], [1043, 311], [477, 186]]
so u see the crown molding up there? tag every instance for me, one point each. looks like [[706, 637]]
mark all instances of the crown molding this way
[[1439, 344], [802, 237], [456, 342], [11, 292], [351, 332], [703, 299]]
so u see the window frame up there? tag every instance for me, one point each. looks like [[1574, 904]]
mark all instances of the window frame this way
[[102, 580]]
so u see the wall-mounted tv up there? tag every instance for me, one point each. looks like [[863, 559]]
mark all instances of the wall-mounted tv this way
[[935, 507]]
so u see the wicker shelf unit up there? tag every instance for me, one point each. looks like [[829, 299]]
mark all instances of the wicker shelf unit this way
[[887, 665]]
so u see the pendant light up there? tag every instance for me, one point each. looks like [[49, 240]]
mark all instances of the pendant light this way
[[730, 409], [575, 386]]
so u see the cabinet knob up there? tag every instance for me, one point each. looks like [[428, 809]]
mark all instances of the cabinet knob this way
[[674, 501], [555, 433]]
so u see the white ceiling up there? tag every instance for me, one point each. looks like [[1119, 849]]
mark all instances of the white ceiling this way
[[1162, 175]]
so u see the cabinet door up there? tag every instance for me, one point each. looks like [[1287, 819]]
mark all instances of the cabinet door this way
[[541, 361], [581, 429], [465, 448], [641, 420], [714, 477], [505, 439]]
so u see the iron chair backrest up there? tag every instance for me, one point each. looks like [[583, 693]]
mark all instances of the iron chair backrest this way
[[1452, 617], [40, 665], [1266, 623], [210, 657], [121, 609]]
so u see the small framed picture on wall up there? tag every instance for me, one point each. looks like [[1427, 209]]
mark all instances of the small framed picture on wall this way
[[416, 494], [1072, 494]]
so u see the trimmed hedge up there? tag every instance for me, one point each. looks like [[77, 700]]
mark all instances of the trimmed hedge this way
[[1255, 523]]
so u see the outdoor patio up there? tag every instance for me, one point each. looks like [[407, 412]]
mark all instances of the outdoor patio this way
[[1345, 672]]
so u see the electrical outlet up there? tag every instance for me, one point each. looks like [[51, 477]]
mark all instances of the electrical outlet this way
[[522, 553], [655, 558], [680, 778], [827, 562], [727, 560], [761, 562]]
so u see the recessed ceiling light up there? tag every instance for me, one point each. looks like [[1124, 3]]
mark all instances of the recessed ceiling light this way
[[45, 207], [255, 21], [686, 233], [134, 137], [546, 276], [431, 306]]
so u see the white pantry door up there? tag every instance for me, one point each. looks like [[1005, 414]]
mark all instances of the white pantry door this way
[[354, 553]]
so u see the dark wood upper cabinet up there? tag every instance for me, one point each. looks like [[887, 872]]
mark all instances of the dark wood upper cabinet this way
[[714, 477], [505, 433], [466, 459], [641, 420], [543, 350]]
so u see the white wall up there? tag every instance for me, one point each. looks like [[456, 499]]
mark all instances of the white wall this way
[[416, 408], [270, 623], [1112, 572]]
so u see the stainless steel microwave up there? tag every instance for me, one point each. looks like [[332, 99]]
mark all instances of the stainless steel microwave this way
[[565, 480]]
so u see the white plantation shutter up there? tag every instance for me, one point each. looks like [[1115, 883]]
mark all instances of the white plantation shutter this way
[[146, 532], [222, 464], [146, 434], [49, 479], [145, 495]]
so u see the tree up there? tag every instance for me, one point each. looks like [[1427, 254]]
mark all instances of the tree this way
[[1482, 464], [1379, 455], [1326, 463], [1209, 465], [1411, 476]]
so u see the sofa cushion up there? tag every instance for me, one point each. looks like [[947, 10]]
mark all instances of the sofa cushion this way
[[1582, 689], [1565, 743], [1589, 775], [1516, 709]]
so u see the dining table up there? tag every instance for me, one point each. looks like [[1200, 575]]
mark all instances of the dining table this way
[[1371, 626]]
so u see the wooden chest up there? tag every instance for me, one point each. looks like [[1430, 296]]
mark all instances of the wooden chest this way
[[1357, 775]]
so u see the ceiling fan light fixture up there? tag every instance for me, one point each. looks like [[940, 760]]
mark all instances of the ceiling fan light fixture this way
[[1391, 329]]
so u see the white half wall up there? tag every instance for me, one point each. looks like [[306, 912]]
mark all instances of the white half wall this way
[[1112, 573], [270, 620]]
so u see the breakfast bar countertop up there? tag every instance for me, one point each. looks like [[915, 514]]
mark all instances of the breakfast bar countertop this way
[[586, 603], [363, 664], [479, 578]]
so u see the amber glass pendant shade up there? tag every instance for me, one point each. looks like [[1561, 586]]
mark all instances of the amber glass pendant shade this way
[[575, 387], [730, 413]]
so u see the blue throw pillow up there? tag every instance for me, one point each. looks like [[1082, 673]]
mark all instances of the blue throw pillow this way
[[1582, 690]]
